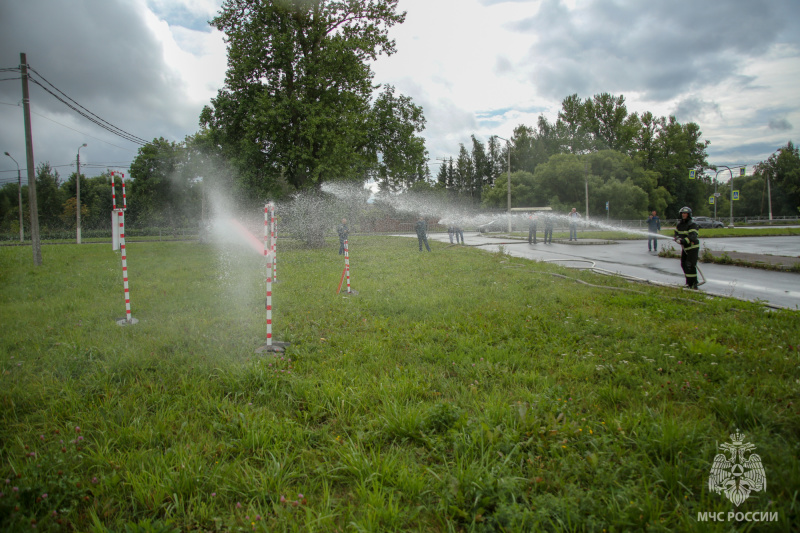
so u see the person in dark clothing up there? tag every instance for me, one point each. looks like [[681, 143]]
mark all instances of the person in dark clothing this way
[[532, 220], [422, 233], [686, 234], [548, 229], [574, 217], [653, 226], [450, 231], [459, 234], [343, 232]]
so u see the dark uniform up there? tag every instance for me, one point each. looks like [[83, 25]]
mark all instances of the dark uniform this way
[[343, 232], [422, 233], [548, 229], [654, 226], [686, 234], [532, 229]]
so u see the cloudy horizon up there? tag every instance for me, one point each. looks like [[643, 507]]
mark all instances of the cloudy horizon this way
[[477, 67]]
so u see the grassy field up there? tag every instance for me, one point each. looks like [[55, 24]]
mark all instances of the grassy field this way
[[458, 391]]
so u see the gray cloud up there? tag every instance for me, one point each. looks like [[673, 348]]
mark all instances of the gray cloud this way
[[693, 109], [660, 49], [102, 54], [779, 124]]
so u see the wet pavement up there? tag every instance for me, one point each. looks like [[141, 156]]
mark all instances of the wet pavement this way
[[631, 258]]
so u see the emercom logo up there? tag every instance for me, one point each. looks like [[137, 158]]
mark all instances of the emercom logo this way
[[738, 475]]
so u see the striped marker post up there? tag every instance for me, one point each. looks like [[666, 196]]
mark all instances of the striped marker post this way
[[347, 264], [274, 234], [269, 254], [113, 193], [346, 272], [119, 227]]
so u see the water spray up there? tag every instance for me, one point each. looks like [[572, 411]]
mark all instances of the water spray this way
[[118, 230], [269, 254]]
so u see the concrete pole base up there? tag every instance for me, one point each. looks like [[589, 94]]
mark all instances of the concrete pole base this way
[[124, 321], [275, 347]]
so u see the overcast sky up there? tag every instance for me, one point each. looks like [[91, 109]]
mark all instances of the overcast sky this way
[[476, 66]]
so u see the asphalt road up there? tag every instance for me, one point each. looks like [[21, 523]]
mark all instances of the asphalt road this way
[[631, 258]]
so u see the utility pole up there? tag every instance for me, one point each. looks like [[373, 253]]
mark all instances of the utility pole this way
[[26, 112], [19, 193], [769, 199], [78, 196]]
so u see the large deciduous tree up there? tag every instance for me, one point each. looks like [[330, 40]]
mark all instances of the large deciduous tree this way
[[298, 90], [783, 170]]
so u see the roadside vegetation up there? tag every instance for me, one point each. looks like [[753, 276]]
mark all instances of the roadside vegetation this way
[[459, 390]]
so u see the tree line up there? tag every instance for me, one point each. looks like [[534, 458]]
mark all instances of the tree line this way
[[637, 163]]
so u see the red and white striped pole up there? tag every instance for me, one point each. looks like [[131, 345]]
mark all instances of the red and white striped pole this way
[[121, 214], [268, 254], [347, 265], [274, 232], [120, 229], [113, 193]]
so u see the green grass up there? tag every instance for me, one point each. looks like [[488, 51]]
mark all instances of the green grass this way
[[458, 391]]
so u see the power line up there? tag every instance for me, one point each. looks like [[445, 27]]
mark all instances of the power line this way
[[81, 110], [78, 131], [6, 79], [85, 115]]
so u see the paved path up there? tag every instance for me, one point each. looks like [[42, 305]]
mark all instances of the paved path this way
[[631, 258]]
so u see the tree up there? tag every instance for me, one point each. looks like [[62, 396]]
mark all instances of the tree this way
[[465, 173], [571, 126], [49, 197], [483, 172], [783, 170], [679, 148], [610, 125], [522, 191], [402, 152], [297, 92], [165, 191]]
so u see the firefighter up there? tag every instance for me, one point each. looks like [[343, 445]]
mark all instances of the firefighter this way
[[422, 233], [686, 234], [344, 233], [532, 220], [548, 229]]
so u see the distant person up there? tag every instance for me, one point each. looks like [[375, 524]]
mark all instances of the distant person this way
[[422, 233], [686, 234], [574, 216], [548, 229], [343, 232], [532, 220], [653, 226], [459, 234], [450, 231]]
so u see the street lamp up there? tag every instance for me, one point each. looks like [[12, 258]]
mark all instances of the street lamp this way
[[508, 175], [19, 191], [731, 173], [78, 195]]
